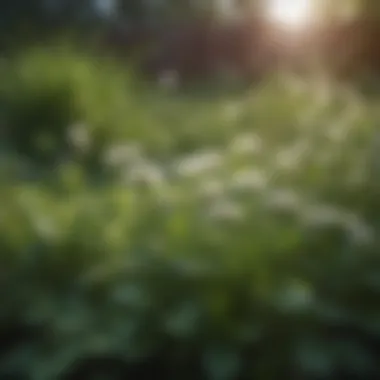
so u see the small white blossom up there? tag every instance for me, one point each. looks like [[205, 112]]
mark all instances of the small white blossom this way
[[247, 144], [287, 159], [295, 296], [226, 210], [199, 163], [291, 157], [79, 137], [143, 172], [119, 155], [249, 179], [46, 228], [284, 199], [322, 215], [359, 232], [211, 188]]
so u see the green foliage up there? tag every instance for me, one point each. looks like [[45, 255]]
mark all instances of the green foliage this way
[[45, 93], [242, 228]]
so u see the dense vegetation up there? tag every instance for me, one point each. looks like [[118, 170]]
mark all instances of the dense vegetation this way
[[149, 233]]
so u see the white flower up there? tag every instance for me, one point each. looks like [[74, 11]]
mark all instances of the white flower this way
[[287, 159], [144, 172], [295, 296], [79, 137], [199, 163], [226, 210], [249, 179], [118, 155], [359, 232], [290, 158], [322, 215], [211, 188], [46, 228], [249, 143], [284, 199]]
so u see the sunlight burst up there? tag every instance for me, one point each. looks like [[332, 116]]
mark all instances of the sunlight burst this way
[[291, 13]]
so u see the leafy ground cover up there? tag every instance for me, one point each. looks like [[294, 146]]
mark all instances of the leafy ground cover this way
[[229, 237]]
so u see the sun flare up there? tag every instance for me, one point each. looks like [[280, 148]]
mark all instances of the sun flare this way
[[290, 13]]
